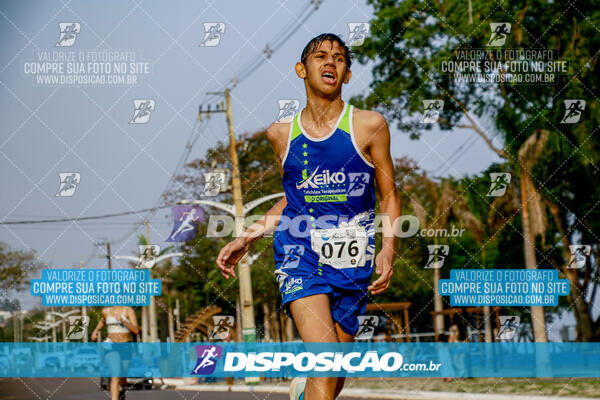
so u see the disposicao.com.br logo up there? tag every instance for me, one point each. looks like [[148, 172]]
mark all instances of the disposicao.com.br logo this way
[[207, 359], [327, 361]]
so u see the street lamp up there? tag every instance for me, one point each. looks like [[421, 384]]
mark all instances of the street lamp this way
[[46, 326], [248, 320], [63, 317], [141, 262], [39, 338]]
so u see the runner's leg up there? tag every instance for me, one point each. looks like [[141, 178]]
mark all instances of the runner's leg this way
[[312, 316], [113, 360], [345, 338]]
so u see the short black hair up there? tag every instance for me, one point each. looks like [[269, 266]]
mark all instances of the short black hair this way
[[325, 37]]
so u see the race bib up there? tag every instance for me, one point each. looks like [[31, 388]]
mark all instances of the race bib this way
[[340, 247]]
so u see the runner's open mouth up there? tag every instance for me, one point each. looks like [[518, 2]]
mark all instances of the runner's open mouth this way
[[328, 77]]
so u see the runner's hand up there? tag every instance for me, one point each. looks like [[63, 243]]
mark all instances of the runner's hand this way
[[94, 336], [383, 268], [230, 255]]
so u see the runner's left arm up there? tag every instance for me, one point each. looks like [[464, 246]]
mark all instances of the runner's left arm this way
[[131, 322], [390, 206], [100, 325]]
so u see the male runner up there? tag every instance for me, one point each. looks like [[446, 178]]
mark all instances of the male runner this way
[[330, 155]]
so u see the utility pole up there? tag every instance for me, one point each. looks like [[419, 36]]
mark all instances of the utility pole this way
[[238, 209], [53, 326], [177, 314], [84, 315], [108, 255], [64, 330], [21, 325], [152, 308], [247, 304], [246, 301], [438, 306], [15, 327]]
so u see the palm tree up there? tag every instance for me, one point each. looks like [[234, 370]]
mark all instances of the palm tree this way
[[533, 216], [446, 203]]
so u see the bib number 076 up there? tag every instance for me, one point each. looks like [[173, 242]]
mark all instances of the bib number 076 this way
[[340, 247], [352, 249]]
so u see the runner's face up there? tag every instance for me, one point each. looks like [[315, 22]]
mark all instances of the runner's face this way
[[326, 68]]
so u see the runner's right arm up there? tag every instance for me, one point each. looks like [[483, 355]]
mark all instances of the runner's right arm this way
[[235, 250], [277, 135]]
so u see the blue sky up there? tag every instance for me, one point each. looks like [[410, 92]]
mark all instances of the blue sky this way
[[123, 166]]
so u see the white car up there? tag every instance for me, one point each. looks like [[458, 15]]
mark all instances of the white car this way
[[85, 358]]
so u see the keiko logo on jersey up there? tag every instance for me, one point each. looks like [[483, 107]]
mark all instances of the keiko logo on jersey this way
[[327, 186], [324, 178], [292, 285]]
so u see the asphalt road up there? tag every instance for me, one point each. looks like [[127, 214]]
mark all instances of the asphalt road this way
[[89, 388]]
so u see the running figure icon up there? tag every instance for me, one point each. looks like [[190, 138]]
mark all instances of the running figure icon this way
[[499, 34], [186, 225], [208, 355], [574, 109]]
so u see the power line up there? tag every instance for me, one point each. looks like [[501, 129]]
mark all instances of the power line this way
[[47, 221], [243, 73], [448, 161]]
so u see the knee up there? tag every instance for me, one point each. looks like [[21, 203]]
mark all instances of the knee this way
[[114, 365], [322, 388]]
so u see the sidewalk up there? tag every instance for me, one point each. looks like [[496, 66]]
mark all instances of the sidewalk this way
[[364, 393]]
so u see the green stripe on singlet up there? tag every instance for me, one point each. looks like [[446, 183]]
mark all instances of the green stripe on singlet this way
[[345, 122], [295, 128]]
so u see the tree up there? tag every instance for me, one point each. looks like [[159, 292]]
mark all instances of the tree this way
[[444, 202], [533, 217], [436, 205], [10, 305], [16, 266], [409, 41], [198, 279]]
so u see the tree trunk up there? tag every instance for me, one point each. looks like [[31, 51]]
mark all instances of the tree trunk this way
[[276, 327], [153, 320], [538, 321], [171, 324], [178, 315], [267, 322], [85, 328], [487, 314], [144, 324], [487, 324], [576, 295]]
